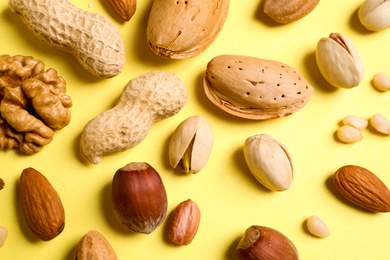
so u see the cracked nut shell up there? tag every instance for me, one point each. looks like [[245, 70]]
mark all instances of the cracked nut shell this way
[[339, 61], [269, 162], [191, 145]]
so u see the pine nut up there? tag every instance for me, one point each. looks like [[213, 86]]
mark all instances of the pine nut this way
[[349, 134], [317, 227], [380, 123], [381, 82], [356, 122]]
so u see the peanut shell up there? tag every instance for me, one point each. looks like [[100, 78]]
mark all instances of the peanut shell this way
[[90, 37]]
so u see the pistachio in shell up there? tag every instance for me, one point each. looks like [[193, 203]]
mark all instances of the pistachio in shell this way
[[191, 145]]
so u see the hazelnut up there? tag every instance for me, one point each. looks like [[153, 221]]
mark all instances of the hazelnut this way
[[263, 243], [139, 197]]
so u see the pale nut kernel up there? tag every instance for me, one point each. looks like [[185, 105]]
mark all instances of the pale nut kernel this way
[[374, 14], [269, 162], [3, 235], [381, 81], [356, 122], [380, 123], [191, 145], [185, 223], [339, 61], [349, 134], [317, 227]]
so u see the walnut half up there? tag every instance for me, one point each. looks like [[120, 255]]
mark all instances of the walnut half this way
[[33, 103]]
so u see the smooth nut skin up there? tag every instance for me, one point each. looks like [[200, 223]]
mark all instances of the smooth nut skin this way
[[41, 205], [191, 145], [156, 95], [90, 37], [283, 11], [255, 88], [380, 124], [139, 197], [317, 227], [381, 82], [269, 162], [263, 243], [183, 29], [94, 246], [339, 61], [374, 14], [349, 134], [363, 188], [3, 235], [356, 122], [185, 223]]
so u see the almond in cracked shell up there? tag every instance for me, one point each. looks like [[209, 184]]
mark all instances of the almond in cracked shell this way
[[255, 88]]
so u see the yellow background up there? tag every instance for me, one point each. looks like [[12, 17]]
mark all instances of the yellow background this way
[[229, 198]]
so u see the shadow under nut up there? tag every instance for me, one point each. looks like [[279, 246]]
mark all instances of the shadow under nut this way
[[255, 88]]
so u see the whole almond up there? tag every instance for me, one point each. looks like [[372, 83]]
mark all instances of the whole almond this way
[[283, 11], [41, 205], [255, 88], [181, 29], [125, 9], [94, 246], [363, 188], [1, 184], [185, 223]]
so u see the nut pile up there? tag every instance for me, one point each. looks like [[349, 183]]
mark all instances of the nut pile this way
[[33, 104]]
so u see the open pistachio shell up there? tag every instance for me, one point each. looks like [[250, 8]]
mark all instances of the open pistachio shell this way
[[375, 14], [269, 162], [191, 145], [339, 61]]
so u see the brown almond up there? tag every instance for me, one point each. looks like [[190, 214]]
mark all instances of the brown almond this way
[[125, 9], [182, 29], [255, 88], [283, 11], [1, 184], [185, 223], [94, 246], [363, 188], [41, 205]]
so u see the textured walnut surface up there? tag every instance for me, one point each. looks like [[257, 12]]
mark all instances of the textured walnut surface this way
[[33, 103]]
